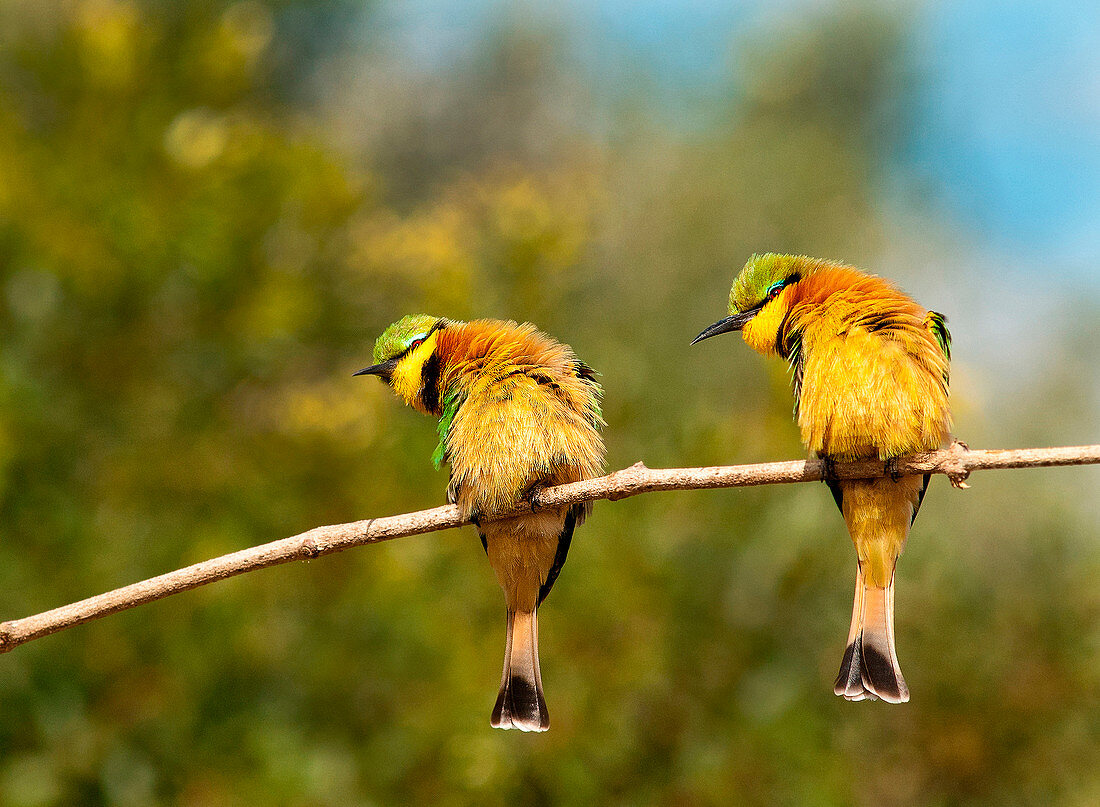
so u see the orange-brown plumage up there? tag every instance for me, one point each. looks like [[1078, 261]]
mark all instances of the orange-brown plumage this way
[[870, 372], [525, 397], [878, 378], [517, 411]]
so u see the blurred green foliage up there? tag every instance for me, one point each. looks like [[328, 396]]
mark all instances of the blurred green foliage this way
[[191, 268]]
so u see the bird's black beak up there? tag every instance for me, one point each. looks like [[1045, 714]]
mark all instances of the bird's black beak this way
[[734, 322], [383, 370]]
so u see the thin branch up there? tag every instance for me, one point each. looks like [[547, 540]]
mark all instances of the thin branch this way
[[956, 462]]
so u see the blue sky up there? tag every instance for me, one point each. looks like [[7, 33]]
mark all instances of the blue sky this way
[[1004, 128], [1011, 95]]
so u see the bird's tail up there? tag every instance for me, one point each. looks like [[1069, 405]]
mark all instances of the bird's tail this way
[[870, 666], [520, 704]]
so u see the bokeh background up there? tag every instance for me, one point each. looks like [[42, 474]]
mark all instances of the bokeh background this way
[[209, 210]]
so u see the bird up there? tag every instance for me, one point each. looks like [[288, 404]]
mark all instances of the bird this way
[[870, 375], [518, 411]]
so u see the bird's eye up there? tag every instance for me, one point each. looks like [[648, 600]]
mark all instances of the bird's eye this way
[[415, 343], [775, 289]]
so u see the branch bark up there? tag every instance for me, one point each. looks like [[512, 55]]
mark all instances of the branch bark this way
[[956, 462]]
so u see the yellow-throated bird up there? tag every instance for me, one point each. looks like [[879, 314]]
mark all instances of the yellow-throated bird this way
[[517, 411], [870, 374]]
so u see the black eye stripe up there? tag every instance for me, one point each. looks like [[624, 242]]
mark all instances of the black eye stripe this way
[[413, 345], [775, 288]]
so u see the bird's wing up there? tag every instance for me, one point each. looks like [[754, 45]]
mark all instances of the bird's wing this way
[[794, 359], [451, 402], [920, 496], [838, 494], [564, 539], [936, 323]]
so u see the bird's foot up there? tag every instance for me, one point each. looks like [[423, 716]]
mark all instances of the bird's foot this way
[[828, 470], [956, 471], [890, 468], [530, 495]]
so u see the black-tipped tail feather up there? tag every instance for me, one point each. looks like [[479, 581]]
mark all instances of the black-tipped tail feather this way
[[867, 672], [520, 704], [870, 667]]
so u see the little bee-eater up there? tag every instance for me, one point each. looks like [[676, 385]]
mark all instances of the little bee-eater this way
[[870, 375], [517, 411]]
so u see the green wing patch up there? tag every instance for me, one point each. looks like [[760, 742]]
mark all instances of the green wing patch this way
[[794, 359], [451, 403], [937, 324]]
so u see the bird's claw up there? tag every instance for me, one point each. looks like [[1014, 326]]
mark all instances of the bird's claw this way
[[530, 495], [828, 470], [891, 469], [956, 472]]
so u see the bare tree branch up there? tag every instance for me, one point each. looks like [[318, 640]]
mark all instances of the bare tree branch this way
[[956, 462]]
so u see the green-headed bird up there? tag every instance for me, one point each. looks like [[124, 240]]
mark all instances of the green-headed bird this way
[[870, 375], [517, 411]]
